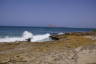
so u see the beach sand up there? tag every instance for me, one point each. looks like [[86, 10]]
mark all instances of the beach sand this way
[[77, 48]]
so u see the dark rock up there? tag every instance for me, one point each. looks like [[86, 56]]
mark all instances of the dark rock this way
[[54, 38], [29, 39]]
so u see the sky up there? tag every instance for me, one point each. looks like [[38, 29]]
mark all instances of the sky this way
[[60, 13]]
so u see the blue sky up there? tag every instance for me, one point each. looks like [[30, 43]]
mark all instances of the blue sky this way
[[62, 13]]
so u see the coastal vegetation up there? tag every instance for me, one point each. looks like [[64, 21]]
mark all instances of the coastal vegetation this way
[[94, 30], [70, 48]]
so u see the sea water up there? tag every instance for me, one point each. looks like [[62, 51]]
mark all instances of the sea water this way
[[37, 34]]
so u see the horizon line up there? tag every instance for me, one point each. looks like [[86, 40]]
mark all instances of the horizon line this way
[[45, 26]]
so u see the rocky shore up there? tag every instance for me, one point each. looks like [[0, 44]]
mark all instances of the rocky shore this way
[[67, 48]]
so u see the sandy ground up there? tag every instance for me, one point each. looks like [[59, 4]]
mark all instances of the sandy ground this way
[[70, 49]]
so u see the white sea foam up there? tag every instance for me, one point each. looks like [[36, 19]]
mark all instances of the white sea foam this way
[[26, 35], [60, 33], [39, 38]]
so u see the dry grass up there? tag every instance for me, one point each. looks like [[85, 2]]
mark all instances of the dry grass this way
[[38, 49]]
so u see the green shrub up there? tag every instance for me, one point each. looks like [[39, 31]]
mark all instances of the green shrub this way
[[94, 30]]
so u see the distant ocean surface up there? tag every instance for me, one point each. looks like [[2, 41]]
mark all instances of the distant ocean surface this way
[[18, 31]]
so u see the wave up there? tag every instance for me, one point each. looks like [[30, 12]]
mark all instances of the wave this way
[[26, 35]]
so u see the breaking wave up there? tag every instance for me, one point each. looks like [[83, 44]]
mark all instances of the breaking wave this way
[[26, 35]]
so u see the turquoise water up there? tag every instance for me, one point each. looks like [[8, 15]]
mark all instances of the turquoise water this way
[[18, 30]]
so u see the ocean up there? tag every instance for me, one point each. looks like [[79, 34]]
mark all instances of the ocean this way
[[37, 34]]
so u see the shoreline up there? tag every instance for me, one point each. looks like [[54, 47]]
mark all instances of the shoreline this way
[[70, 48]]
